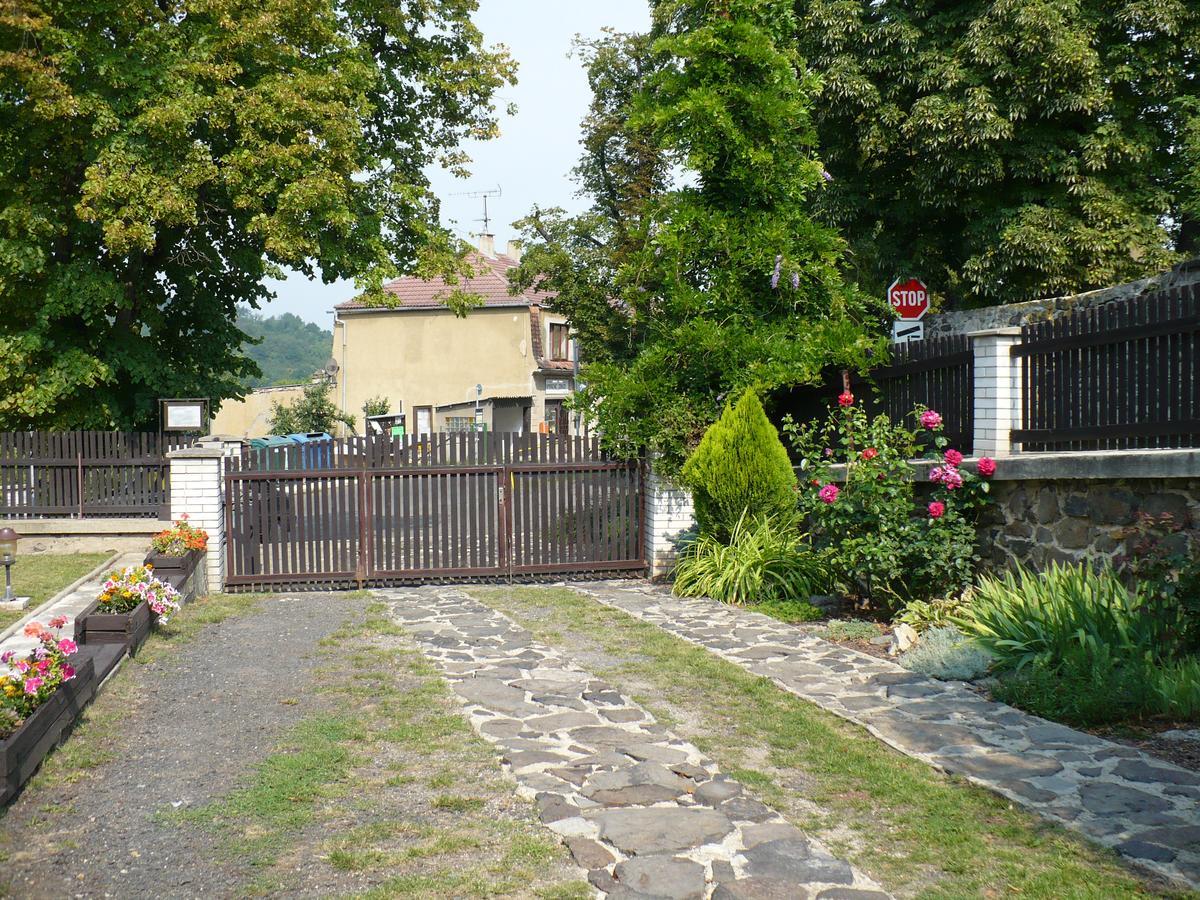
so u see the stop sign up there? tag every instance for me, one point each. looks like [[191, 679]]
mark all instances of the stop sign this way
[[910, 299]]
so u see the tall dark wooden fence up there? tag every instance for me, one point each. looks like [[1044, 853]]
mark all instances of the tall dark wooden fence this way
[[386, 511], [86, 473], [1122, 376]]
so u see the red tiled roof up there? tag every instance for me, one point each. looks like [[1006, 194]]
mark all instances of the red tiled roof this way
[[491, 284]]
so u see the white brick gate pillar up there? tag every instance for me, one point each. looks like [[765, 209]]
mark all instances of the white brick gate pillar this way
[[198, 491], [998, 390], [669, 511]]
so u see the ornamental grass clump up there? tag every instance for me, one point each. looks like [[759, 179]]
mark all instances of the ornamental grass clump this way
[[125, 588], [946, 653], [31, 679], [180, 539], [760, 561]]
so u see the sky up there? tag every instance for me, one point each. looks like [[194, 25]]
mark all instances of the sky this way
[[532, 159]]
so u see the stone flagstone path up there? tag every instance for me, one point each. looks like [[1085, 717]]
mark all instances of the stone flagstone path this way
[[1145, 808], [644, 812]]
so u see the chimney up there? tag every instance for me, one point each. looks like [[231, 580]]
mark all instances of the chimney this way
[[487, 245], [514, 251]]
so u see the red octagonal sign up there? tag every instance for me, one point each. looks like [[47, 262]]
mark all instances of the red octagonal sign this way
[[910, 299]]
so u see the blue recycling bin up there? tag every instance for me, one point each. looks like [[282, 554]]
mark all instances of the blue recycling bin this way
[[316, 449]]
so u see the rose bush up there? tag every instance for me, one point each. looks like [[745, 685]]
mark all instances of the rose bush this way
[[889, 546], [33, 678]]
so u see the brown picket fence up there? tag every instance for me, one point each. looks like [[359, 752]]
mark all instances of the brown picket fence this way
[[371, 511], [1122, 376], [84, 474]]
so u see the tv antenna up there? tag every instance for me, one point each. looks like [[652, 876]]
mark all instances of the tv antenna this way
[[484, 195]]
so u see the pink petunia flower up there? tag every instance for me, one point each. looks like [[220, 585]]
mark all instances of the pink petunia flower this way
[[58, 621], [986, 466], [21, 666], [68, 672], [42, 665], [930, 419], [68, 646], [953, 457], [829, 493], [32, 685], [6, 656], [937, 509]]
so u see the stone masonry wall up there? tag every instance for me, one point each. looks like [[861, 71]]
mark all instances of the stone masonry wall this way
[[1036, 522]]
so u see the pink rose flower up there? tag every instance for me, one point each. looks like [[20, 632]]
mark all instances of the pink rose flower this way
[[951, 478], [986, 466], [937, 510], [930, 419], [32, 685], [829, 493], [68, 646], [953, 457], [845, 398]]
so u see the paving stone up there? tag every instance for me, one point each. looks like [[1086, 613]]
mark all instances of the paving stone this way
[[761, 889], [1005, 766], [636, 785], [850, 894], [924, 737], [792, 861], [623, 715], [657, 752], [662, 829], [1143, 850], [1107, 799], [522, 758], [1141, 771], [662, 876], [717, 791], [602, 880], [1184, 837], [746, 809], [601, 735], [561, 721], [722, 870], [553, 807], [753, 835], [494, 694], [589, 854]]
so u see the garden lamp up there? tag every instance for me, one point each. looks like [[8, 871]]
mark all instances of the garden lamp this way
[[8, 556]]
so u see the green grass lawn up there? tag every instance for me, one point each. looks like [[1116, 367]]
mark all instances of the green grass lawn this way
[[920, 833], [43, 575]]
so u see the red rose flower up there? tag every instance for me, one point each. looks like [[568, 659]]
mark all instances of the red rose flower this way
[[845, 398], [953, 457], [986, 466], [937, 509], [870, 453]]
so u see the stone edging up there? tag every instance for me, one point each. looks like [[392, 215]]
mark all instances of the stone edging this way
[[1144, 808]]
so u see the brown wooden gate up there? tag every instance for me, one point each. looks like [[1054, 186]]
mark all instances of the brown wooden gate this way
[[448, 507]]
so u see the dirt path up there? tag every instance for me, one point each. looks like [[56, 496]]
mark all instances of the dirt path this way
[[296, 747]]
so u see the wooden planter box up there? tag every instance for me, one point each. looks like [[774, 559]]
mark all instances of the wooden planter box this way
[[23, 751], [174, 565], [128, 629]]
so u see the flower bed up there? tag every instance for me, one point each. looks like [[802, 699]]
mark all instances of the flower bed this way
[[39, 699], [175, 553], [131, 601]]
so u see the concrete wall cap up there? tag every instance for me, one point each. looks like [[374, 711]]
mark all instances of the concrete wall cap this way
[[1011, 331], [197, 453]]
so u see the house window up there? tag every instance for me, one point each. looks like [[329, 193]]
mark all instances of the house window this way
[[559, 341]]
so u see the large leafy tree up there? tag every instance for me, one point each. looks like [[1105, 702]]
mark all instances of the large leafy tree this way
[[1008, 149], [160, 158], [698, 270]]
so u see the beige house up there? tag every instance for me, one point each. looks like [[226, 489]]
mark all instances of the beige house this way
[[508, 365]]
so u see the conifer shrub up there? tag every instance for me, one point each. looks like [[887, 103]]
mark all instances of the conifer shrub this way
[[740, 466]]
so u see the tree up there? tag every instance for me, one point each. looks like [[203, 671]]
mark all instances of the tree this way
[[160, 158], [286, 349], [377, 406], [313, 410], [740, 468], [1006, 150], [682, 292]]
